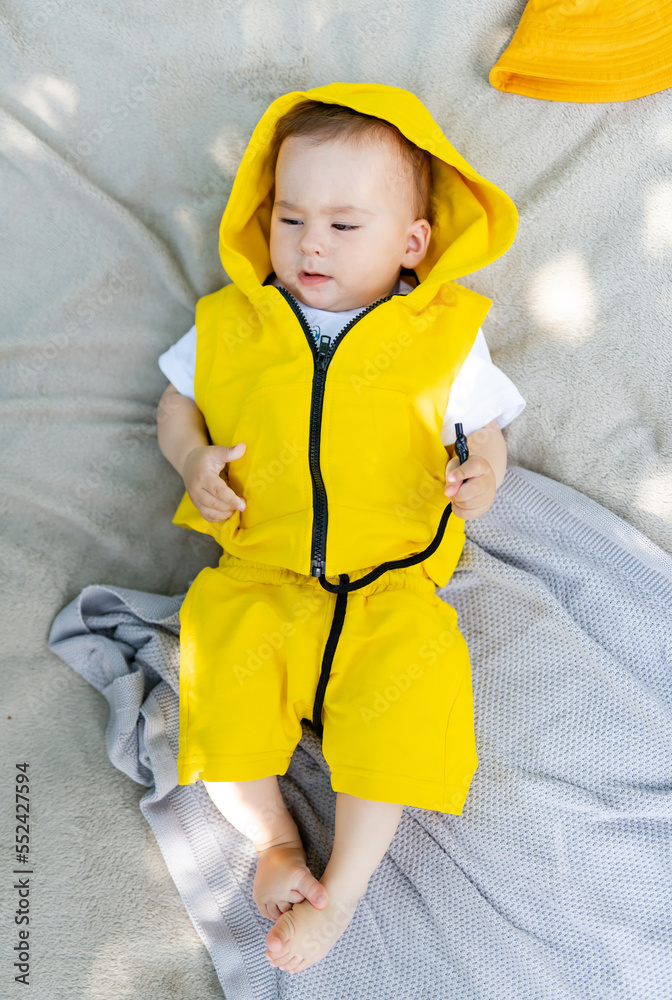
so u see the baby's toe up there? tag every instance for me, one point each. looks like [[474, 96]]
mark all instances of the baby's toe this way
[[301, 964], [312, 890], [278, 961], [292, 965], [277, 938]]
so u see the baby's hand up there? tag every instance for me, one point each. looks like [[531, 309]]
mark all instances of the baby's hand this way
[[206, 486], [473, 498]]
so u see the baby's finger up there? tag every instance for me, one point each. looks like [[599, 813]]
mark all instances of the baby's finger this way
[[467, 513], [454, 482], [474, 498], [473, 467], [220, 509], [471, 490], [205, 500], [212, 515], [221, 494]]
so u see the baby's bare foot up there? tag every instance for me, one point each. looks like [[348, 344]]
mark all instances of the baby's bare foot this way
[[283, 878], [303, 935]]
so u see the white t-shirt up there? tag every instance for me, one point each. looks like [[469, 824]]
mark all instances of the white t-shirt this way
[[480, 393]]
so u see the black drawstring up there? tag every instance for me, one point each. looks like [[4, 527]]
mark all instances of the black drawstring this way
[[345, 588], [462, 452], [329, 650]]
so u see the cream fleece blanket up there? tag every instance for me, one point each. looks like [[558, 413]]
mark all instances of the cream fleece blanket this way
[[121, 127]]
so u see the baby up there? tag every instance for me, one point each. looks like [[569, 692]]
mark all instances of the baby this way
[[308, 426]]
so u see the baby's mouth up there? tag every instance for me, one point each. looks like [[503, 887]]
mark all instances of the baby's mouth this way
[[312, 277]]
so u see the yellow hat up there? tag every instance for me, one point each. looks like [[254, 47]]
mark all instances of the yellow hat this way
[[588, 50]]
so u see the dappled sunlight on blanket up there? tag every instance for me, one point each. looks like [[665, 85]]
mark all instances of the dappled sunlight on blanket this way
[[664, 136], [562, 297], [657, 223], [14, 135], [50, 98], [654, 494]]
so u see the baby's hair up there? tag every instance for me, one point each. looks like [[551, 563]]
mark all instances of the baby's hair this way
[[324, 122]]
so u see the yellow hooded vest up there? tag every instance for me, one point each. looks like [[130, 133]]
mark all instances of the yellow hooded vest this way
[[344, 467]]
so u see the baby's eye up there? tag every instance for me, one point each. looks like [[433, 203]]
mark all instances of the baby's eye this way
[[341, 226], [291, 222]]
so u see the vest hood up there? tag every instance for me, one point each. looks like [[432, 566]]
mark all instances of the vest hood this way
[[475, 220], [311, 507]]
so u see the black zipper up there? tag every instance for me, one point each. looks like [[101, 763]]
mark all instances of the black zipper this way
[[322, 356]]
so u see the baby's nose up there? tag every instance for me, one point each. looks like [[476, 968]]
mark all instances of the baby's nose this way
[[312, 241]]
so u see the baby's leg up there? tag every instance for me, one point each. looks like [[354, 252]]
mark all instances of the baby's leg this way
[[257, 809], [364, 831]]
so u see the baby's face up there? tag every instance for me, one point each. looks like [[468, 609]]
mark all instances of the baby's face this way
[[343, 222]]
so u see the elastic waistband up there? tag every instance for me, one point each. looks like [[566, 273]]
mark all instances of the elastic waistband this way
[[409, 577]]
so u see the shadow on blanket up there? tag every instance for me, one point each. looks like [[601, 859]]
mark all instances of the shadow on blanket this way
[[555, 881]]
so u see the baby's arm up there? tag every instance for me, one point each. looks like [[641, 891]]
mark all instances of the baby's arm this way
[[484, 469], [183, 439]]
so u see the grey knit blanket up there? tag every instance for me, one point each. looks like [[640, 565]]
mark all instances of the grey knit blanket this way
[[555, 882]]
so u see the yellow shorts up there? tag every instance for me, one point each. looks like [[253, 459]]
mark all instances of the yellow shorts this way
[[397, 710]]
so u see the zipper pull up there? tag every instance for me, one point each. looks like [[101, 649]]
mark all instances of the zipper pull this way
[[323, 351], [317, 569]]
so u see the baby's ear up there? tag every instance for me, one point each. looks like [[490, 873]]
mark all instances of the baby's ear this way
[[417, 242]]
